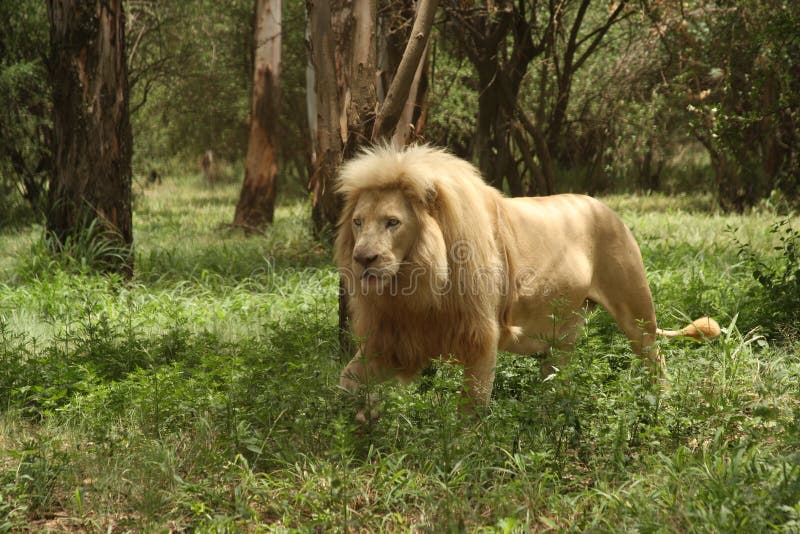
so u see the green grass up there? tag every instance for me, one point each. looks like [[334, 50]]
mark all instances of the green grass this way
[[202, 395]]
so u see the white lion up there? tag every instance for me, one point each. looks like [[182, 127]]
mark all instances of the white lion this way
[[438, 264]]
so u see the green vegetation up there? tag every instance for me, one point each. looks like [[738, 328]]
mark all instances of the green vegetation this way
[[202, 394], [678, 97]]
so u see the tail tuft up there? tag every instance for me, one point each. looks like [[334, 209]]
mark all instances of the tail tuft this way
[[702, 328]]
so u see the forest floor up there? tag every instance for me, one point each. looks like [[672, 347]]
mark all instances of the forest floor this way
[[202, 394]]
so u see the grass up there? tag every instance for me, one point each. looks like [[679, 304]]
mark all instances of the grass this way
[[202, 395]]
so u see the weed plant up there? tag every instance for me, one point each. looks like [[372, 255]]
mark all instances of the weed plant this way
[[202, 394]]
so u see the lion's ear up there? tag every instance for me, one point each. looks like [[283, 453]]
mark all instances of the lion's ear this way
[[431, 195], [432, 251]]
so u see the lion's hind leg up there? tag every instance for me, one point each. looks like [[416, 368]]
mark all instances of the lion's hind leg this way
[[624, 293]]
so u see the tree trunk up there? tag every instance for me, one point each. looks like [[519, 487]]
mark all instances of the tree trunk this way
[[256, 205], [90, 185], [394, 33], [498, 41], [342, 76], [362, 95], [397, 95], [650, 166], [412, 120], [324, 107], [485, 141], [564, 82], [545, 177], [341, 104], [496, 102]]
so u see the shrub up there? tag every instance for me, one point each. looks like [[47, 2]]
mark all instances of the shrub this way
[[777, 301]]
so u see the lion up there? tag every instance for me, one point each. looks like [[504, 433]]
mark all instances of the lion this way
[[439, 265]]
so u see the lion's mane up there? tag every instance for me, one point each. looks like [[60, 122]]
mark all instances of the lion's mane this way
[[455, 297]]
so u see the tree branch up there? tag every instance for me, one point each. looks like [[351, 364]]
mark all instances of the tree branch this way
[[544, 172], [572, 45], [401, 84], [612, 19]]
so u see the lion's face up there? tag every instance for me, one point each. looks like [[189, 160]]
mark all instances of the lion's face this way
[[385, 229]]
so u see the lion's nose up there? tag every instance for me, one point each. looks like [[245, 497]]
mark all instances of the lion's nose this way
[[365, 258]]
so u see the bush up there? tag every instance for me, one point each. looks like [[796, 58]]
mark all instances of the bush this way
[[778, 298]]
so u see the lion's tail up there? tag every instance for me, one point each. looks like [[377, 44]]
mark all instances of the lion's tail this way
[[702, 328]]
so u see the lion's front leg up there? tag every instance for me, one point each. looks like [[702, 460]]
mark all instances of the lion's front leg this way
[[360, 375], [479, 379]]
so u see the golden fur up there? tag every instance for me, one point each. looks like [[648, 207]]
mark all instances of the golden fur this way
[[439, 264]]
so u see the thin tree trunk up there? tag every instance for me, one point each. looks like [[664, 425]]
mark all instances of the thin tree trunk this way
[[545, 176], [407, 127], [394, 32], [492, 133], [341, 103], [484, 143], [326, 107], [311, 101], [538, 185], [256, 205], [361, 94], [486, 34], [564, 81], [361, 97], [90, 185], [396, 97]]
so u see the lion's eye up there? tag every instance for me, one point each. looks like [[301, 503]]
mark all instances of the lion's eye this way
[[357, 222], [392, 222]]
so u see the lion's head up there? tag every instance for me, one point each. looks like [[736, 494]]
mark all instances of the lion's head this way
[[407, 217], [389, 240]]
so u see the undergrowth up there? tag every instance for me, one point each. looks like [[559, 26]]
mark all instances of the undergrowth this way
[[778, 275], [202, 394]]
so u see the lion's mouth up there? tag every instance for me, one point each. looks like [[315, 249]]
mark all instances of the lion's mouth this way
[[375, 277]]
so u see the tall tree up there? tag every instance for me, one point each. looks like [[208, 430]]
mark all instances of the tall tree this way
[[498, 38], [257, 199], [341, 92], [90, 185], [341, 103]]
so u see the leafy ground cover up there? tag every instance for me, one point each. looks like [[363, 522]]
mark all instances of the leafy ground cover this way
[[202, 395]]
